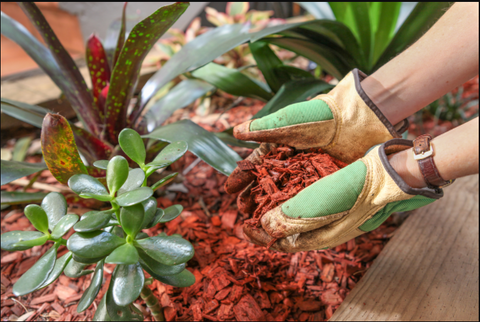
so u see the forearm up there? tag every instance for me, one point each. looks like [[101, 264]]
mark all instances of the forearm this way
[[444, 58], [456, 155]]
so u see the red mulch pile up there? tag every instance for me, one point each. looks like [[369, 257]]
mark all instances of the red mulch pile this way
[[235, 279], [283, 173]]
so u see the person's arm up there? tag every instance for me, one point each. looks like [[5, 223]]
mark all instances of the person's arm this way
[[456, 155], [444, 58]]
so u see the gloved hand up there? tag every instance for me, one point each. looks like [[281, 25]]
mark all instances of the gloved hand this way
[[345, 123], [343, 205]]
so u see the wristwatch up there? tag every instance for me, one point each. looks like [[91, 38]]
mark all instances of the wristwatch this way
[[423, 152]]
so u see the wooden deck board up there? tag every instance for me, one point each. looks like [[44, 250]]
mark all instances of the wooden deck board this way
[[429, 270]]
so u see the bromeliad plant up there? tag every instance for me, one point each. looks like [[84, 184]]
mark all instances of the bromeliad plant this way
[[111, 236]]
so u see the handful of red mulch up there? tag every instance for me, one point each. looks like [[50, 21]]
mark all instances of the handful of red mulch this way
[[285, 172]]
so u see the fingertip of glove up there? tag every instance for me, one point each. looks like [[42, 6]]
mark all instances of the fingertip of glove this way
[[238, 180], [242, 130]]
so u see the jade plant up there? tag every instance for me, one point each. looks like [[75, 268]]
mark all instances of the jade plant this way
[[110, 236]]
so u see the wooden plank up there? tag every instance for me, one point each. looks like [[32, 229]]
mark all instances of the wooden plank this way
[[429, 270]]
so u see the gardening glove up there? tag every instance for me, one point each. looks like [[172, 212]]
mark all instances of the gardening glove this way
[[345, 123], [343, 205]]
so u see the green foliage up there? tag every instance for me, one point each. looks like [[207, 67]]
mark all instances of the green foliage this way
[[363, 35], [110, 236]]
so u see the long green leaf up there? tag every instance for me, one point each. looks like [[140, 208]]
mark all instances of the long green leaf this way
[[178, 97], [232, 81], [386, 15], [267, 61], [127, 68], [12, 170], [31, 114], [59, 148], [18, 198], [361, 20], [423, 16], [121, 36], [317, 53], [293, 92], [200, 142], [91, 292], [75, 89]]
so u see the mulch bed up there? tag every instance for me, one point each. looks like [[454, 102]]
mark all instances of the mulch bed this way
[[234, 278]]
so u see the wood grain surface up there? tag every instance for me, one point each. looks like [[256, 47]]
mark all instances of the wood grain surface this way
[[429, 270]]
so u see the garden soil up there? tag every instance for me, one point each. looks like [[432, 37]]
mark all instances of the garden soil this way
[[235, 280]]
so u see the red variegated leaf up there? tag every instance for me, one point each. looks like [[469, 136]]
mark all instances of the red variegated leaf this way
[[99, 72], [126, 71], [77, 91], [98, 149], [59, 148]]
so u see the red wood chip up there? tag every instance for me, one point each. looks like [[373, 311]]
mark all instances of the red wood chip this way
[[245, 165], [248, 310]]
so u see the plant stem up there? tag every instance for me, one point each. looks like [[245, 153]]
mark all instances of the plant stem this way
[[152, 303]]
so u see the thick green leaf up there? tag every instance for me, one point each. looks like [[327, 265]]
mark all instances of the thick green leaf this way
[[171, 213], [101, 313], [387, 15], [156, 219], [168, 250], [150, 208], [132, 144], [37, 217], [267, 61], [361, 21], [132, 219], [59, 148], [74, 86], [18, 198], [133, 197], [164, 181], [88, 187], [94, 221], [75, 269], [294, 72], [154, 168], [55, 207], [183, 94], [201, 143], [12, 170], [32, 279], [85, 260], [99, 69], [64, 225], [101, 164], [157, 267], [91, 292], [128, 282], [318, 53], [232, 81], [31, 243], [127, 68], [93, 244], [184, 279], [293, 92], [170, 153], [423, 16], [120, 313], [20, 149], [336, 32], [117, 173], [60, 265], [125, 255], [13, 237], [134, 181]]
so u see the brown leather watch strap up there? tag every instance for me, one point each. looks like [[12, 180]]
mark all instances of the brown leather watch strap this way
[[423, 151]]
